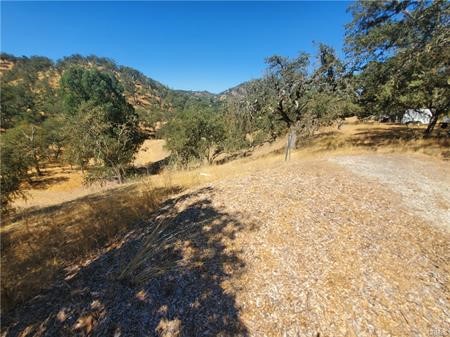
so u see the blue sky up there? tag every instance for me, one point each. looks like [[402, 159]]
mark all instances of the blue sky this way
[[185, 45]]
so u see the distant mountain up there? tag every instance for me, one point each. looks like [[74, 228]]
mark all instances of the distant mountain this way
[[140, 90], [202, 93], [34, 80], [239, 90], [144, 93]]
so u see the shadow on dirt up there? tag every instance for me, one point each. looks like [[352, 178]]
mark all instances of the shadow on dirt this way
[[186, 300], [385, 137], [115, 194], [45, 181], [37, 243], [397, 137], [150, 169]]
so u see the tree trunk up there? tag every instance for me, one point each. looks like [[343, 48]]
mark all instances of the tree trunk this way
[[292, 138], [287, 154], [36, 163], [431, 125], [57, 154], [212, 152], [120, 176], [37, 168]]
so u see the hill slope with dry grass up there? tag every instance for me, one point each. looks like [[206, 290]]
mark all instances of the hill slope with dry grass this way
[[349, 238], [153, 100]]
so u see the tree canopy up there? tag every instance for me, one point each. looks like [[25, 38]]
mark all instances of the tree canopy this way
[[195, 135], [101, 126], [90, 111], [401, 50]]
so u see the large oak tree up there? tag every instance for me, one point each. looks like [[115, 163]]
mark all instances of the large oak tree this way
[[101, 126], [401, 51]]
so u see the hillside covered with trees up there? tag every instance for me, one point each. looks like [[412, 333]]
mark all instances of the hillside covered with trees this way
[[94, 114], [300, 202]]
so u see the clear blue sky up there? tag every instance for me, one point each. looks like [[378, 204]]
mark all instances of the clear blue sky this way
[[185, 45]]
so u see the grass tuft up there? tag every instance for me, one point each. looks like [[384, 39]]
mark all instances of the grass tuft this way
[[39, 244]]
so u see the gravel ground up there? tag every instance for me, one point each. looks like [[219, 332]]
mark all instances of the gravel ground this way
[[424, 184], [308, 248]]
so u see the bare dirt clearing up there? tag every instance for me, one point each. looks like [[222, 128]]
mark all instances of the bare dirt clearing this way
[[304, 248]]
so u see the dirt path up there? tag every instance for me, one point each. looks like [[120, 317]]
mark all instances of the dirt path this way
[[308, 248], [423, 183], [332, 256]]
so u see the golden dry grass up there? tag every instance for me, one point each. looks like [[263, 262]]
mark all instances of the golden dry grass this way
[[355, 137], [60, 184], [69, 222], [63, 184], [37, 244], [352, 138], [152, 150], [303, 248]]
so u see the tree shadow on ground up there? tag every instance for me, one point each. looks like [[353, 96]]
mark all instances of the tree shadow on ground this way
[[409, 138], [46, 180], [382, 136], [187, 299], [151, 168], [227, 157], [396, 137], [38, 243], [118, 192]]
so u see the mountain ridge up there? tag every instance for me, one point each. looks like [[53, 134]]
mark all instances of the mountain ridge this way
[[9, 61]]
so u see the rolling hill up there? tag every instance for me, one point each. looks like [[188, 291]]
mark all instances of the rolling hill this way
[[150, 98]]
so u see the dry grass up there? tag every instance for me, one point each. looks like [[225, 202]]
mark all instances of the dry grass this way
[[352, 138], [69, 222], [63, 184], [303, 248], [38, 244], [60, 184], [57, 185], [355, 137], [159, 244], [151, 151]]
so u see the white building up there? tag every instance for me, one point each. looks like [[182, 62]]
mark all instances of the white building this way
[[416, 115]]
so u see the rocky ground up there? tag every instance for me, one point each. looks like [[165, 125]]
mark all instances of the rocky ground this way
[[343, 246]]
